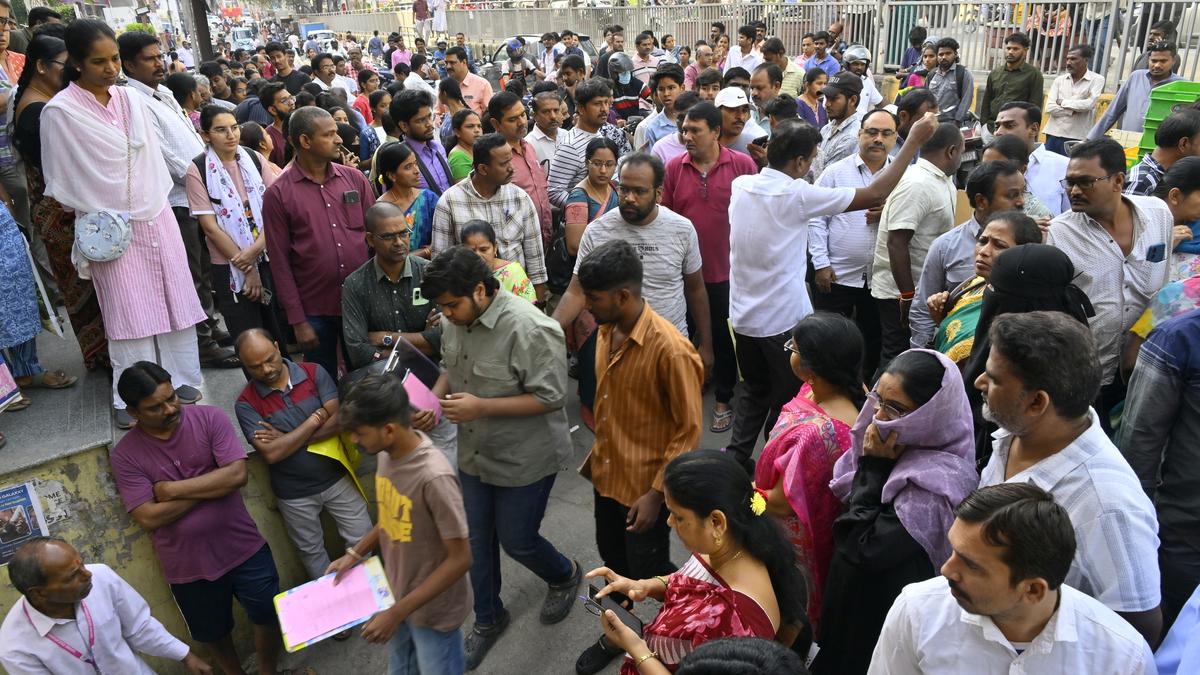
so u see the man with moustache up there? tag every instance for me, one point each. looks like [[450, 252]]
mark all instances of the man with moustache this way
[[1001, 601], [839, 137], [179, 473], [51, 615]]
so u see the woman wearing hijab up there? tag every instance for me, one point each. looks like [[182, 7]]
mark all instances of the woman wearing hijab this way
[[1028, 278], [910, 464]]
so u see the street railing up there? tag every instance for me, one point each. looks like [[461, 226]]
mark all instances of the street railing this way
[[1117, 29]]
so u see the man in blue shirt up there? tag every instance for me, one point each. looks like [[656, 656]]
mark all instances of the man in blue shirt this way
[[821, 58], [1133, 98]]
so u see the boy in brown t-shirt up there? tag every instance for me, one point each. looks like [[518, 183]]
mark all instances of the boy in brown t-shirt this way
[[421, 534]]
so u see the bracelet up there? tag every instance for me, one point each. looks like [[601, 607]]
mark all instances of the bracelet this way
[[354, 554], [640, 661], [664, 581], [908, 295]]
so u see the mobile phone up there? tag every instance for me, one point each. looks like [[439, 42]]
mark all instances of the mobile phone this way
[[761, 141], [626, 617]]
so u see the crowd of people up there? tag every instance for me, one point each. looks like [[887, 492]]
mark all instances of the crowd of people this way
[[978, 435]]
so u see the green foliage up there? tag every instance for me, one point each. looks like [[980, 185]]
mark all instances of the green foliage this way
[[143, 27], [66, 11], [20, 13]]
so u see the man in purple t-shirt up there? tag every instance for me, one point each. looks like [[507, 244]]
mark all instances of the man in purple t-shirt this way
[[178, 472]]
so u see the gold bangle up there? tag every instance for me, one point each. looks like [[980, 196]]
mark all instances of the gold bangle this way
[[639, 662], [664, 581], [354, 554]]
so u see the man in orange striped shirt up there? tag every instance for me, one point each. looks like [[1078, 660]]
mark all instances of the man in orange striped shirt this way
[[648, 411]]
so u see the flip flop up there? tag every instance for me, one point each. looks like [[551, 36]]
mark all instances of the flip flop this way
[[39, 381], [19, 404], [722, 421]]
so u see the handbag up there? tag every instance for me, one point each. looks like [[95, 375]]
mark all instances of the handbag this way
[[105, 235], [560, 264]]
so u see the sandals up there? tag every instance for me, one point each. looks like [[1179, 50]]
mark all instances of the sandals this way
[[50, 379], [722, 421], [19, 404]]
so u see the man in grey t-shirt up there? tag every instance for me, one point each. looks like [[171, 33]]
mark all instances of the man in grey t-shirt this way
[[665, 241]]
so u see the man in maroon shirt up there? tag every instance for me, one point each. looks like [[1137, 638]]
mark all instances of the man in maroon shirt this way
[[697, 187], [314, 215], [509, 118]]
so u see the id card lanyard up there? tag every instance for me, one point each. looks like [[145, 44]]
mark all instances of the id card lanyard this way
[[61, 644]]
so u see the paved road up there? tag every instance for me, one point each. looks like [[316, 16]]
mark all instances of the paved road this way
[[527, 647]]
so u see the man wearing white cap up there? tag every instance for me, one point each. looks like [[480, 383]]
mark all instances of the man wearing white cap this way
[[737, 130]]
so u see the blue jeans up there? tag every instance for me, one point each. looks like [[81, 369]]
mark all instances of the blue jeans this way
[[425, 651], [1096, 31], [329, 336], [508, 517], [23, 359], [1058, 144]]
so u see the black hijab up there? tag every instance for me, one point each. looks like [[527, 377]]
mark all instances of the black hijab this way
[[1027, 278]]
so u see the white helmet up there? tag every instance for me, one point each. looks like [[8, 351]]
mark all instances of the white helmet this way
[[856, 53]]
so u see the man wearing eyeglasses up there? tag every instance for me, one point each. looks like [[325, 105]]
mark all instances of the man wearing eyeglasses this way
[[382, 301], [1120, 245]]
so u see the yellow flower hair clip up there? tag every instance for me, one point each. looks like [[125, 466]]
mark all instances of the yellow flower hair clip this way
[[758, 501]]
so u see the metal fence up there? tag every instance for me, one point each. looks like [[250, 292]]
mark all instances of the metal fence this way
[[1118, 29]]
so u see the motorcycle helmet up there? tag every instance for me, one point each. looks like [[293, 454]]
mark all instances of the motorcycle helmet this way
[[856, 53], [620, 67]]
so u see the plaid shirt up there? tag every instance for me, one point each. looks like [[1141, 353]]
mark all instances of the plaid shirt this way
[[1144, 177], [511, 214]]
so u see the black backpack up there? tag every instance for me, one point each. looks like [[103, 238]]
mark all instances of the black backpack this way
[[198, 160]]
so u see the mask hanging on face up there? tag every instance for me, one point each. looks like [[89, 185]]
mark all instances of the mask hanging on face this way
[[624, 78]]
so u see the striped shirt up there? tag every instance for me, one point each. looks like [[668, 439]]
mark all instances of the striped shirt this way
[[648, 406], [1116, 530], [511, 214], [1120, 286], [845, 241], [569, 165]]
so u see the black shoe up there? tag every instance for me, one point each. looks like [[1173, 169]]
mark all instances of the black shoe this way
[[216, 356], [188, 394], [560, 597], [124, 421], [222, 338], [480, 640], [595, 658]]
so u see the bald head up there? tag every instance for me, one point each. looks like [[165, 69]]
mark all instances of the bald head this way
[[49, 572], [261, 358]]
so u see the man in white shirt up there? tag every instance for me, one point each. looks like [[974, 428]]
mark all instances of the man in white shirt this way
[[841, 244], [80, 619], [547, 124], [1000, 605], [769, 213], [1121, 247], [185, 55], [1071, 102], [141, 59], [416, 77], [919, 210], [1046, 169], [743, 55], [1041, 375], [324, 71]]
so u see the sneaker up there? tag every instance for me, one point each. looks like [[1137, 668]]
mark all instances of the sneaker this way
[[480, 640], [188, 394], [595, 658], [123, 420], [560, 597]]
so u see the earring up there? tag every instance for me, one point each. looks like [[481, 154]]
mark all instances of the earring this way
[[716, 540]]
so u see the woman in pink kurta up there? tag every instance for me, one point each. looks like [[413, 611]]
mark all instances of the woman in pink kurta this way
[[813, 431], [100, 151]]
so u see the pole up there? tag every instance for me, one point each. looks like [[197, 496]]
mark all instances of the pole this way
[[201, 37]]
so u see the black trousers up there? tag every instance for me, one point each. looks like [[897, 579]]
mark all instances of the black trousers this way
[[630, 554], [1109, 397], [1179, 562], [767, 384], [725, 360], [857, 304], [241, 313], [895, 333], [200, 265]]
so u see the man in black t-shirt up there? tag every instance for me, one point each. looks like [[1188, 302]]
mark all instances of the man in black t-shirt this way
[[284, 72], [285, 411]]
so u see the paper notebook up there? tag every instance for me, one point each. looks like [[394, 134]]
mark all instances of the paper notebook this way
[[314, 611]]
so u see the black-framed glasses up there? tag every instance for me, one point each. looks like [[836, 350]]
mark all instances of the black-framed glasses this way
[[389, 237], [1083, 182], [888, 408]]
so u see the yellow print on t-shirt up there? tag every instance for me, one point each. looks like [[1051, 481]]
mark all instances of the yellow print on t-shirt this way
[[395, 511]]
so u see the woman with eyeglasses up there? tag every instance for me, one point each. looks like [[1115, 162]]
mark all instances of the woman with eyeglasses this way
[[400, 175], [39, 83], [911, 463], [812, 433], [225, 188], [593, 197]]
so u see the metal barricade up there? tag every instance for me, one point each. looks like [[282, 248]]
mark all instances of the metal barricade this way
[[1117, 29]]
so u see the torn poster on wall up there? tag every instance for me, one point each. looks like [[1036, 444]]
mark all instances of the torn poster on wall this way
[[21, 518]]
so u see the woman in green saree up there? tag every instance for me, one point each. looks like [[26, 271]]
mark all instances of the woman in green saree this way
[[956, 312]]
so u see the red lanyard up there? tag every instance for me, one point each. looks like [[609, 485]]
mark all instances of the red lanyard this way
[[61, 644]]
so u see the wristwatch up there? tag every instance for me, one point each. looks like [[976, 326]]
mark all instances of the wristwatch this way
[[387, 340]]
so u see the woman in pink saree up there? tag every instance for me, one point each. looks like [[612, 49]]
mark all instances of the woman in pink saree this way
[[812, 432], [739, 582]]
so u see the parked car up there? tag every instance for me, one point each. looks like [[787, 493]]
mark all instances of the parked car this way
[[490, 69]]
